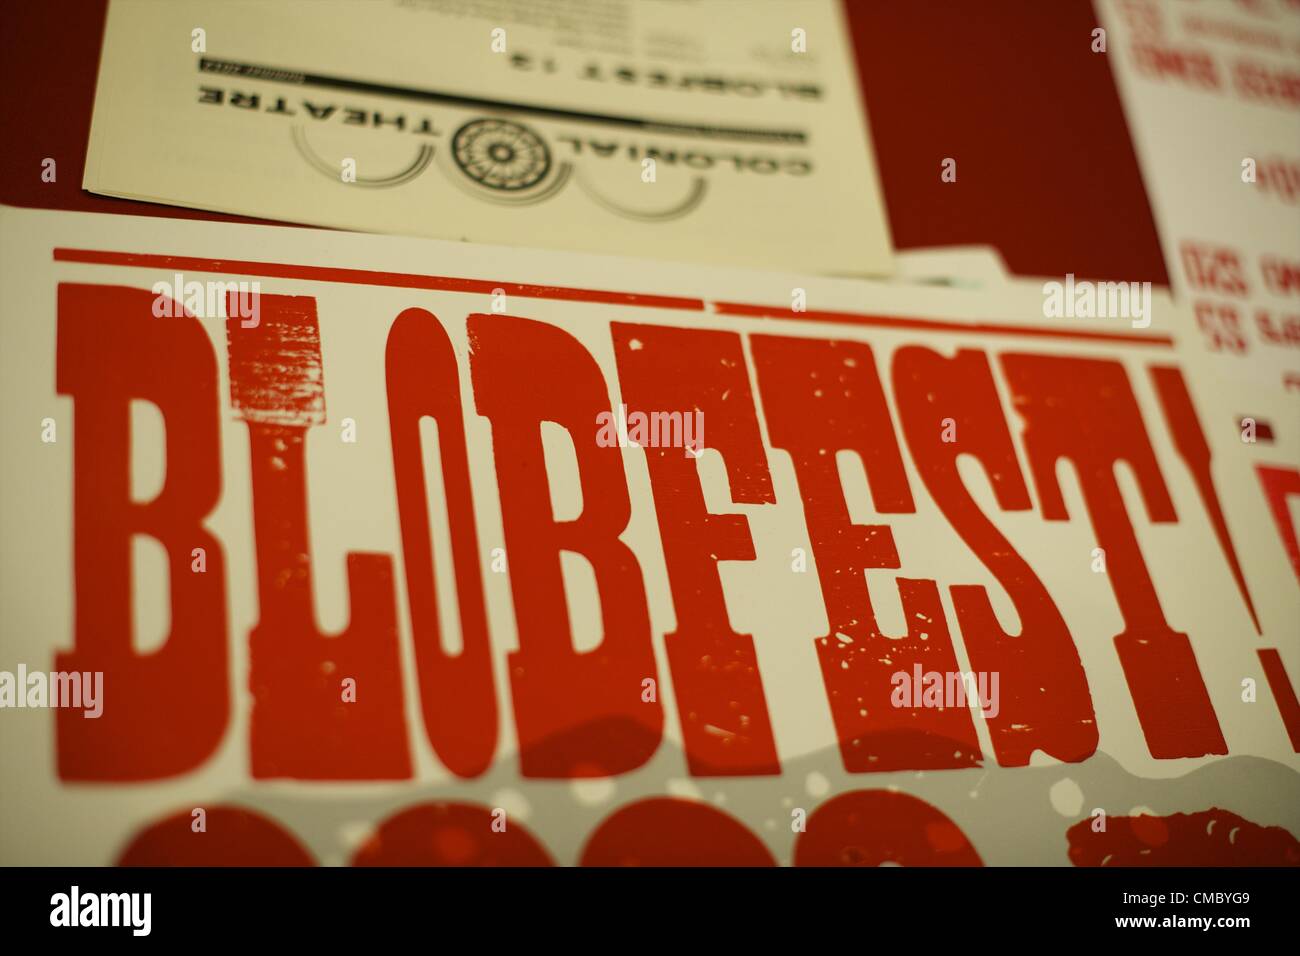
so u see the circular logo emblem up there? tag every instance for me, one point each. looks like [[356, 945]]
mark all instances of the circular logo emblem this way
[[500, 154]]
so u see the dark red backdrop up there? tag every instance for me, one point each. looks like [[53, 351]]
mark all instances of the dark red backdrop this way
[[1009, 88]]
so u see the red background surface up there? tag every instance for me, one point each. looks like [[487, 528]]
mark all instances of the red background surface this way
[[1010, 89]]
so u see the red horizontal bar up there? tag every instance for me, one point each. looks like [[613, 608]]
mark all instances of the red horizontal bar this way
[[937, 325], [399, 280], [406, 280]]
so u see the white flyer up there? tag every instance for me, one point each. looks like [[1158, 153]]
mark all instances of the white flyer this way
[[716, 132], [1212, 95]]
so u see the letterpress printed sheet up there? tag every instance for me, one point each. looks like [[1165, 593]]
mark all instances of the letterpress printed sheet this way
[[379, 543]]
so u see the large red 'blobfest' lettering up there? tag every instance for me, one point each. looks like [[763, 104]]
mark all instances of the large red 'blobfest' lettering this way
[[167, 710], [583, 714], [577, 714], [302, 726], [456, 690], [726, 728], [819, 398], [1046, 704], [1084, 410]]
